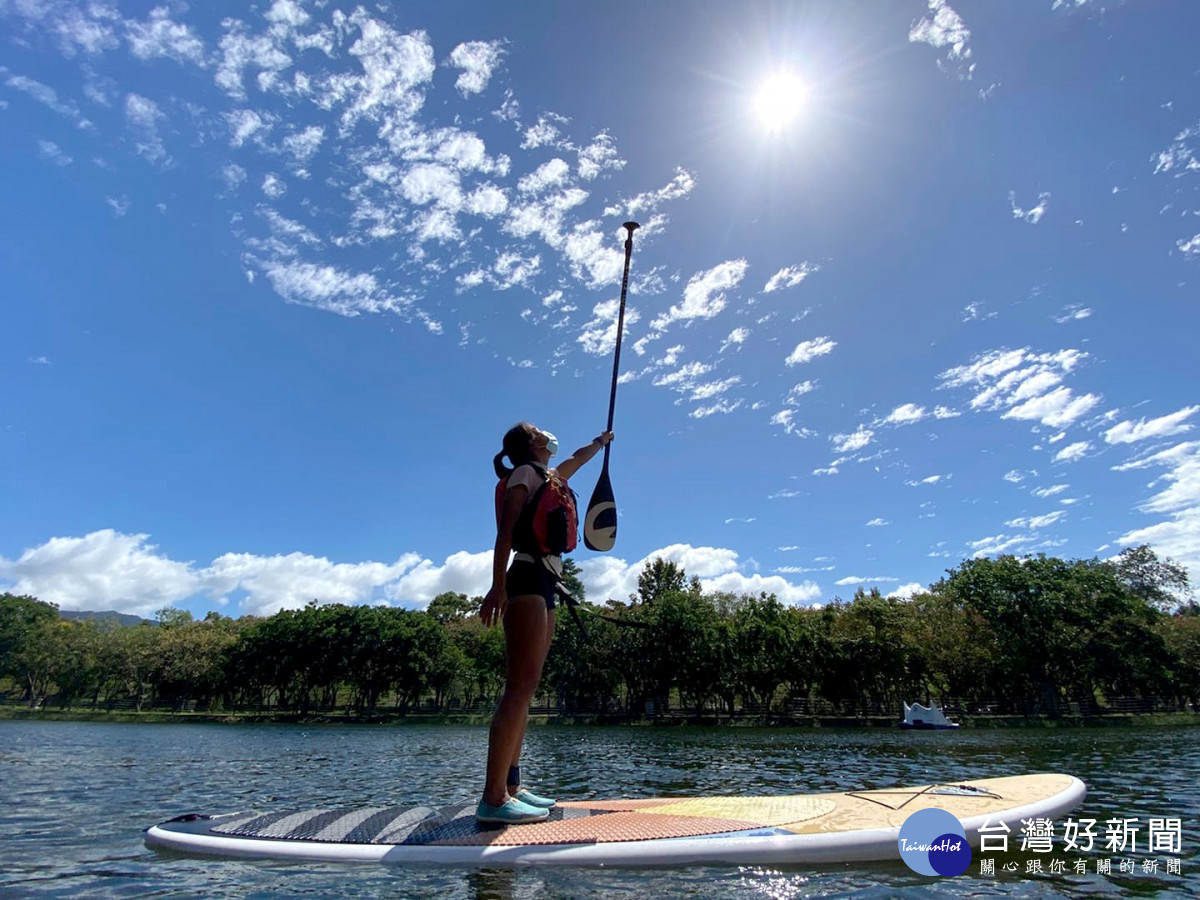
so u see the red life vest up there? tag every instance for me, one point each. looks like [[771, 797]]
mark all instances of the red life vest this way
[[549, 523]]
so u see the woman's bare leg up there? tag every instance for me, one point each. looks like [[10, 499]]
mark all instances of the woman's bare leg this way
[[525, 651], [516, 758]]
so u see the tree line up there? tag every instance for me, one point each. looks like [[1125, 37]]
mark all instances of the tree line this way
[[1032, 635]]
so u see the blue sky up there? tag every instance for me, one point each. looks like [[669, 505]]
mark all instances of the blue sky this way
[[277, 277]]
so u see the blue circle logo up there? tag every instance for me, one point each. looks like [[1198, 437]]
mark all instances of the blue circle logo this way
[[933, 842]]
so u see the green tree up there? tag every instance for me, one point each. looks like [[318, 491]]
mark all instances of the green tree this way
[[1161, 583], [659, 577], [22, 620], [450, 607], [764, 637]]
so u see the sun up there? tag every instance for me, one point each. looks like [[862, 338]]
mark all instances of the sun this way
[[779, 100]]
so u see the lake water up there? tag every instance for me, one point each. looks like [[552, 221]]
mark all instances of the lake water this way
[[74, 799]]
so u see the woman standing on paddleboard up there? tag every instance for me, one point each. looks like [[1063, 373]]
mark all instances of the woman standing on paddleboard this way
[[523, 597]]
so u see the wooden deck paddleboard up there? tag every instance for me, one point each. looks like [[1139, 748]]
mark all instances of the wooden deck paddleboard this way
[[837, 827]]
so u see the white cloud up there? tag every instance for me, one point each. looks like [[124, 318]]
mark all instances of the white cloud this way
[[239, 51], [999, 543], [1073, 452], [931, 479], [848, 443], [233, 176], [789, 276], [1051, 491], [1177, 536], [1032, 215], [43, 94], [1014, 476], [487, 200], [786, 418], [1035, 522], [1164, 426], [548, 175], [798, 391], [599, 335], [877, 522], [477, 59], [905, 414], [543, 133], [679, 186], [1025, 385], [244, 124], [721, 406], [704, 294], [945, 29], [599, 156], [303, 145], [809, 350], [609, 577], [854, 579], [51, 151], [736, 338], [973, 312], [160, 36], [329, 288], [119, 205], [1055, 409], [1073, 313], [908, 591], [1190, 247], [394, 67], [272, 186], [102, 570], [942, 412]]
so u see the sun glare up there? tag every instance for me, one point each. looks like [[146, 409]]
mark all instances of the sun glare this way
[[780, 100]]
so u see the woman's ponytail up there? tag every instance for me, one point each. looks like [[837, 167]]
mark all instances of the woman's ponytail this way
[[502, 471]]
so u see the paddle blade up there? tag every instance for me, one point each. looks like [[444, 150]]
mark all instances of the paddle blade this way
[[600, 522]]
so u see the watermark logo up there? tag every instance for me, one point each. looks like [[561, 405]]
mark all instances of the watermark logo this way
[[933, 842]]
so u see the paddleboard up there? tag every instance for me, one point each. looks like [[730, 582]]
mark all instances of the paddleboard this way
[[807, 828]]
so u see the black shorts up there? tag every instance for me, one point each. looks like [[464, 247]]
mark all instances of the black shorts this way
[[532, 578]]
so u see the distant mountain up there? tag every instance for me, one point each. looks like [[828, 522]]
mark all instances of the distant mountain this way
[[105, 617]]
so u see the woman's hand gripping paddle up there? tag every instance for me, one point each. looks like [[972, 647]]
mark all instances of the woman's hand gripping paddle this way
[[600, 522]]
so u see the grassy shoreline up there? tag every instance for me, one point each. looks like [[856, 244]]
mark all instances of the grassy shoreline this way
[[1112, 720]]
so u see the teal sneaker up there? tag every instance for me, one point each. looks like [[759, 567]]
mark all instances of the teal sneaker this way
[[529, 798], [510, 812]]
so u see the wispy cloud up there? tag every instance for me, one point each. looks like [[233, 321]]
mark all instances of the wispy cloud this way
[[1050, 491], [975, 312], [160, 36], [999, 543], [945, 29], [877, 523], [799, 390], [1178, 535], [809, 350], [1035, 522], [789, 276], [1142, 430], [704, 295], [45, 95], [1034, 214], [1073, 313], [1024, 385], [736, 338], [848, 443], [905, 414], [1073, 452], [51, 151]]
